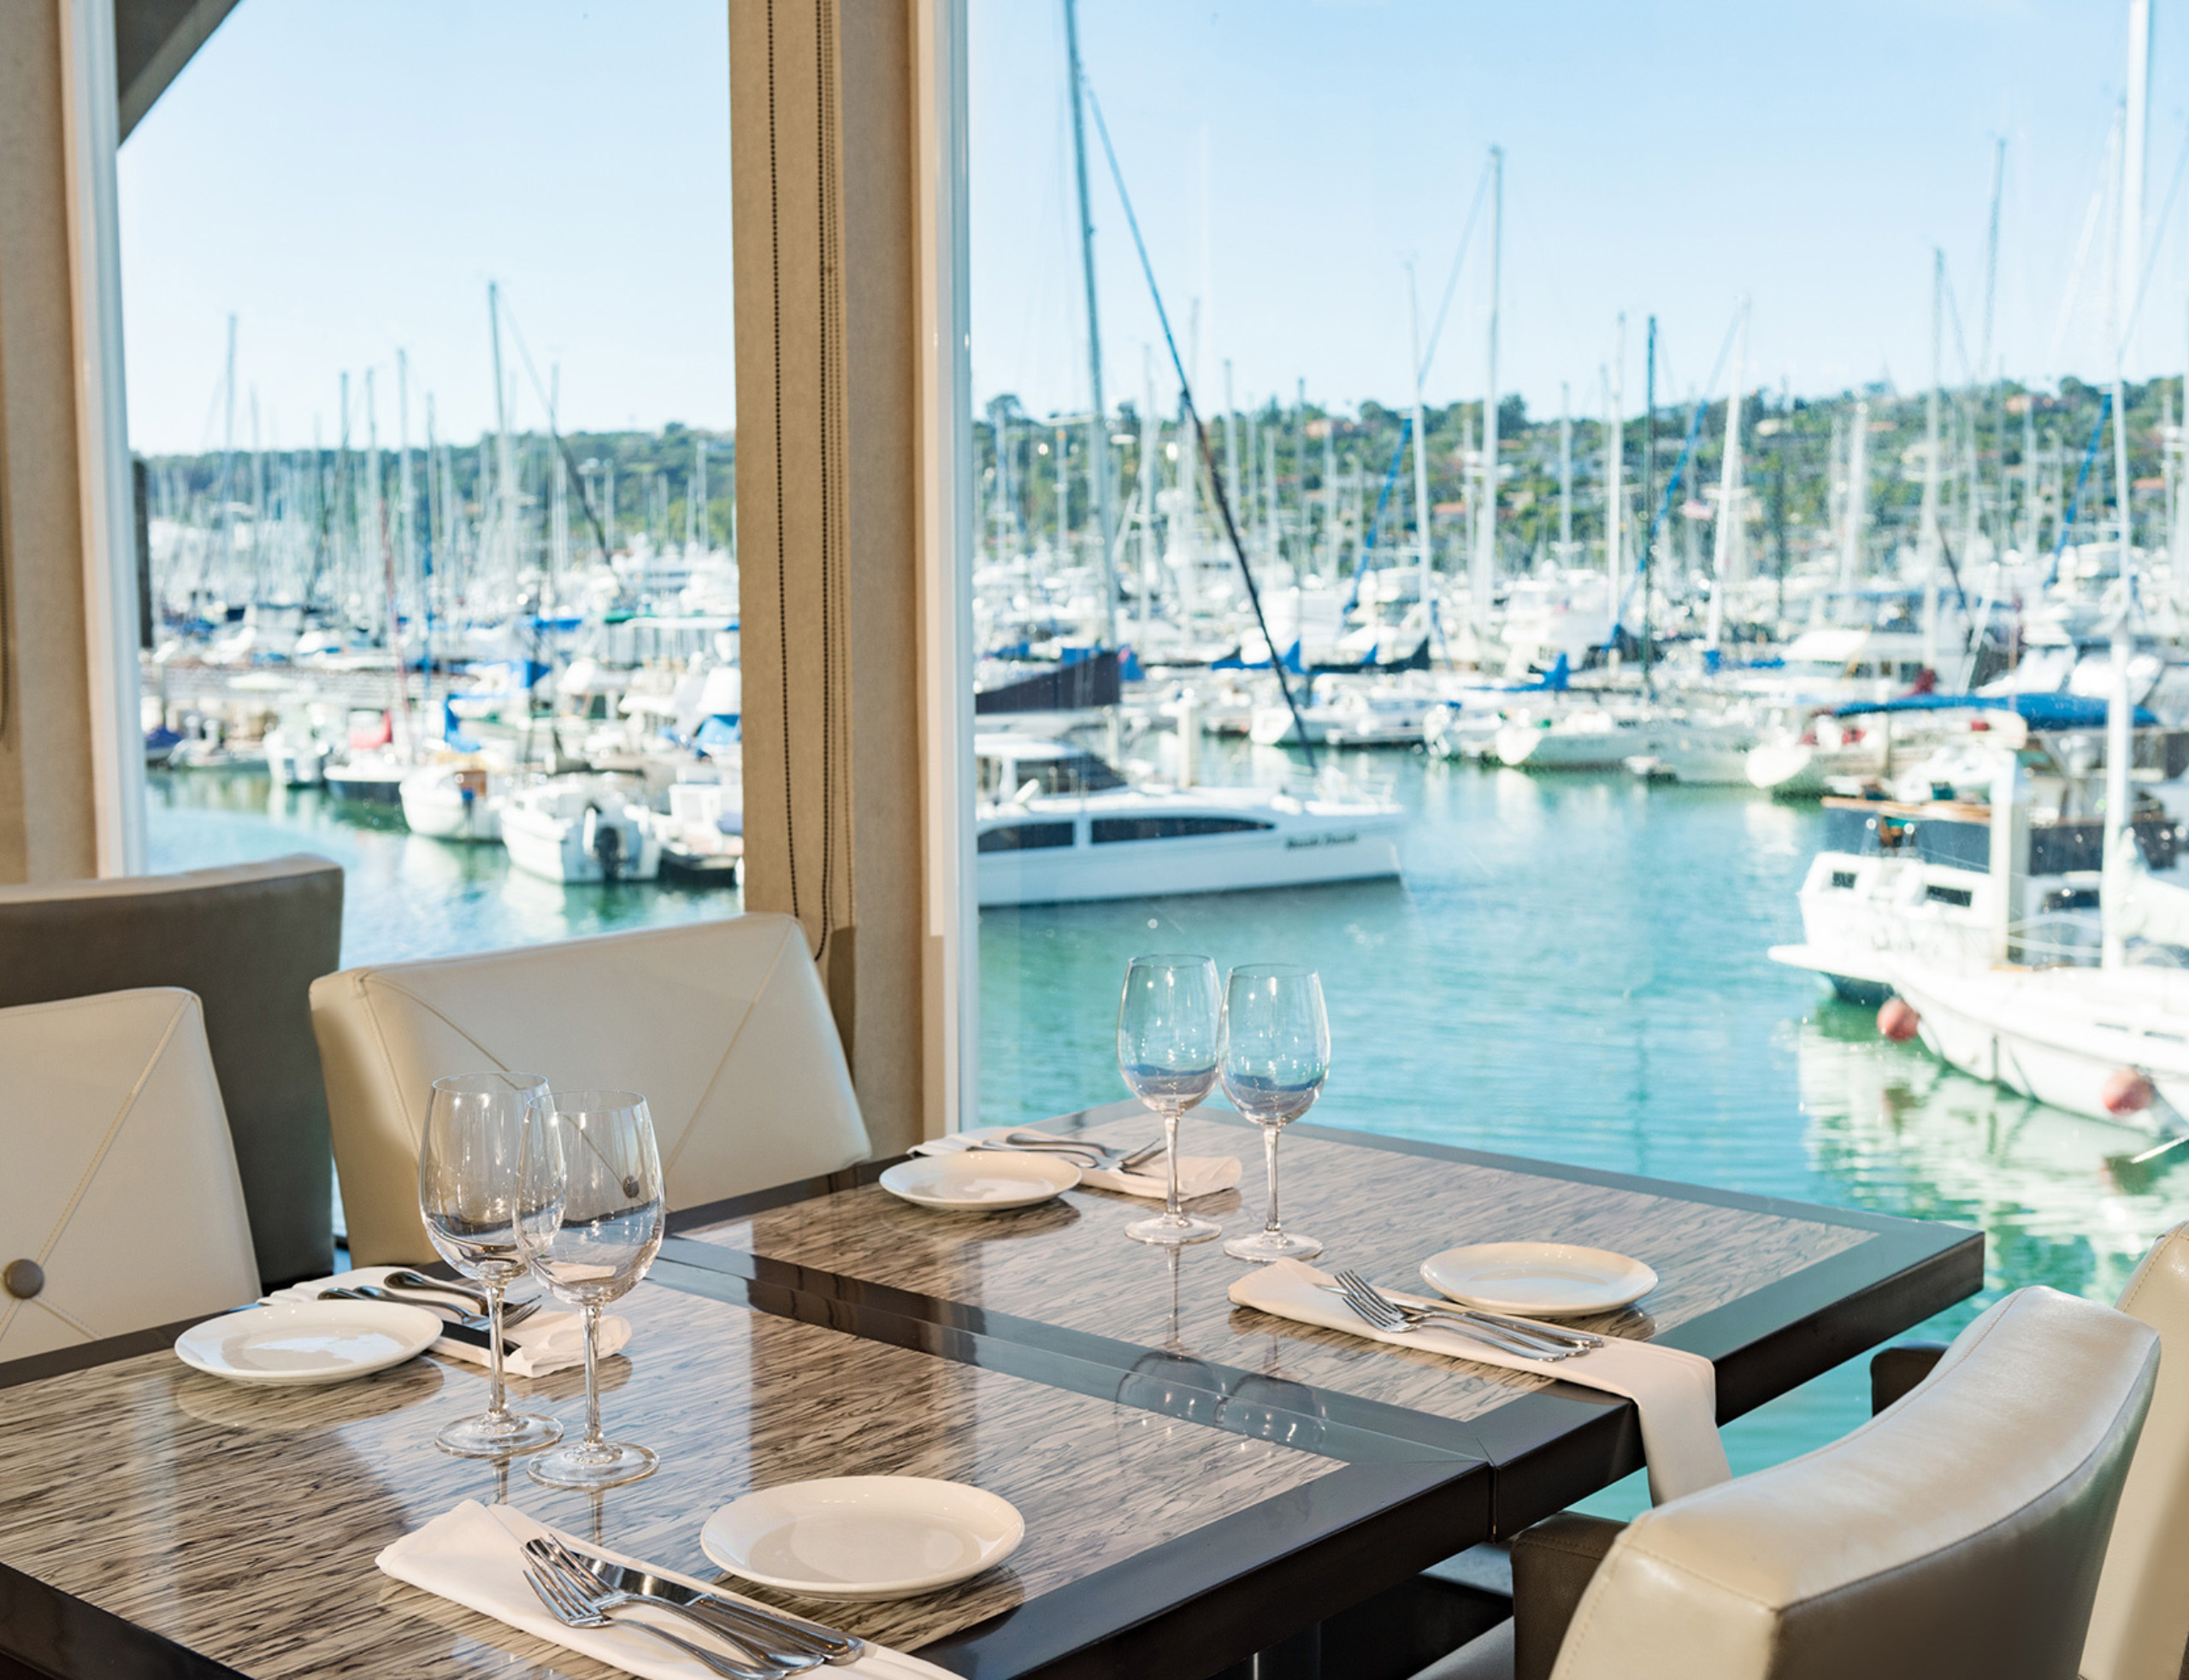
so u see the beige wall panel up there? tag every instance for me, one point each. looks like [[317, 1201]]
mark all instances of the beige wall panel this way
[[47, 823], [821, 113]]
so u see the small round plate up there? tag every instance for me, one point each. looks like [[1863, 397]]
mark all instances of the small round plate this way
[[980, 1178], [1546, 1279], [862, 1537], [296, 1343]]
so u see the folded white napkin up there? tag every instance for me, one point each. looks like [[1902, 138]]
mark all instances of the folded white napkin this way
[[549, 1340], [474, 1556], [1676, 1392], [1198, 1175]]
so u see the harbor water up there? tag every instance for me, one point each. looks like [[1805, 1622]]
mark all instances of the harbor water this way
[[1574, 967]]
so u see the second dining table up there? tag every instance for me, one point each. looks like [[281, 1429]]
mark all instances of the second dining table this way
[[1200, 1481]]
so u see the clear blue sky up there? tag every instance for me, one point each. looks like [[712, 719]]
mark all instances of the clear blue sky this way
[[346, 177]]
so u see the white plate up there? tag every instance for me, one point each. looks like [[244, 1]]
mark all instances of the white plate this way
[[294, 1343], [862, 1537], [1547, 1280], [981, 1178]]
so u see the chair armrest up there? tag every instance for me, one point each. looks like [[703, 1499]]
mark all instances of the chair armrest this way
[[1553, 1564], [1895, 1371]]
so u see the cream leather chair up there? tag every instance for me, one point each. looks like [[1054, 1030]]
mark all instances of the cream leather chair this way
[[2140, 1629], [1958, 1536], [723, 1027], [119, 1204]]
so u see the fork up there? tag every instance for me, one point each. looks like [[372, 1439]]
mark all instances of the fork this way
[[1519, 1328], [412, 1282], [574, 1608], [791, 1638], [1382, 1314]]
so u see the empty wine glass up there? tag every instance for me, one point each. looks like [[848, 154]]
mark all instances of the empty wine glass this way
[[590, 1225], [1277, 1054], [467, 1197], [1170, 1045]]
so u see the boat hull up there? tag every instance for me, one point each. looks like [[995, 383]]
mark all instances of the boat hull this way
[[555, 848], [1341, 850]]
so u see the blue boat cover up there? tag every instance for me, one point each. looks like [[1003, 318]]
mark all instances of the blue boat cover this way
[[2039, 711]]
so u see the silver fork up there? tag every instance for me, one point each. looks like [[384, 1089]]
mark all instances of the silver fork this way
[[573, 1608], [416, 1283], [773, 1635], [1575, 1340], [1374, 1309]]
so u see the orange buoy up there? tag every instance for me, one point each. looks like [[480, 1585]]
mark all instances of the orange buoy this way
[[2127, 1092], [1898, 1021]]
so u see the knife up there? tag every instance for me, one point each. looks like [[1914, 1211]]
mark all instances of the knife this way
[[745, 1620], [451, 1329]]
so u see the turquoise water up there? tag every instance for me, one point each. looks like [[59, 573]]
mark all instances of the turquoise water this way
[[1573, 968]]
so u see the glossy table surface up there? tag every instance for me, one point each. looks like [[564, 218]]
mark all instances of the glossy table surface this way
[[1199, 1480]]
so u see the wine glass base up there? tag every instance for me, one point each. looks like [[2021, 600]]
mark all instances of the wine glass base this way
[[610, 1464], [1168, 1233], [504, 1437], [1272, 1246]]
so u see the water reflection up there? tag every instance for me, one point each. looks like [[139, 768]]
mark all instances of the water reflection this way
[[2052, 1191]]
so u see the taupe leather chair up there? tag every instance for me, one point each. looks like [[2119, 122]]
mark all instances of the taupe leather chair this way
[[120, 1207], [2139, 1627], [1958, 1536], [249, 941], [722, 1025]]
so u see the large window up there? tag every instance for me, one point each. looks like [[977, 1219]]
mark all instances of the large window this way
[[428, 324], [1461, 483]]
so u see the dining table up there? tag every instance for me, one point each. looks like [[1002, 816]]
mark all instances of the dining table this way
[[1207, 1488]]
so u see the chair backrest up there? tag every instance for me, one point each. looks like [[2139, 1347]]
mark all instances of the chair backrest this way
[[120, 1205], [2139, 1626], [722, 1025], [1958, 1536], [249, 941]]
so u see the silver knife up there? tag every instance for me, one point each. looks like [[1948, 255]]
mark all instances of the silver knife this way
[[451, 1329], [745, 1620]]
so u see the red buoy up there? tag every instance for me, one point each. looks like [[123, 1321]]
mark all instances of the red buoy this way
[[2127, 1092], [1898, 1021]]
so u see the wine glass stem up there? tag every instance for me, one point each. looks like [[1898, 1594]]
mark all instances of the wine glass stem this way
[[1269, 1156], [1171, 1158], [497, 1403], [593, 1436]]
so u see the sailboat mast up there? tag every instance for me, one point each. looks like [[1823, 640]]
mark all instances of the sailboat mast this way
[[1644, 562], [1614, 471], [1482, 583], [227, 467], [1565, 473], [1097, 424], [505, 488], [1725, 554], [1928, 540], [1853, 536], [1420, 459]]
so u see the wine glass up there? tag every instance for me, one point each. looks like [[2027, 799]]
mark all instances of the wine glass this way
[[1277, 1055], [589, 1226], [467, 1197], [1169, 1045]]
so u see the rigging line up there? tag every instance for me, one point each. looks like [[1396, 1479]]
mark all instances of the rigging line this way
[[1200, 432], [2151, 258], [562, 445], [1452, 285], [2082, 477], [1671, 484]]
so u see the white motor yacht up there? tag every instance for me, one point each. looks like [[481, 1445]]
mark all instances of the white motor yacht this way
[[580, 829], [296, 755], [1591, 738], [457, 799], [1056, 824]]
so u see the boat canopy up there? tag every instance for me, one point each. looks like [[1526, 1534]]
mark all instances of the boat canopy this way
[[2039, 711]]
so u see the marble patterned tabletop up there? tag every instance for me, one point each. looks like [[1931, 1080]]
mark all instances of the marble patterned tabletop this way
[[1183, 1465]]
